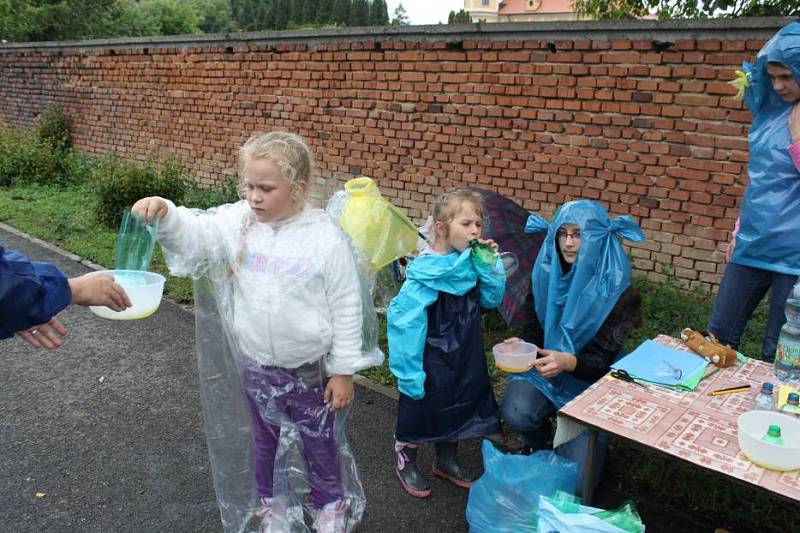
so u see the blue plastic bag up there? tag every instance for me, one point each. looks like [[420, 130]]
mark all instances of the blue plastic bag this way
[[506, 498]]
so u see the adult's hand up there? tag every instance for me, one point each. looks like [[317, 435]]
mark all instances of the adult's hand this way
[[551, 363], [98, 289], [794, 122], [150, 208], [44, 335], [730, 248]]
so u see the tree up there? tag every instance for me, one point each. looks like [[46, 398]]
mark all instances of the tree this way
[[325, 12], [462, 17], [378, 13], [296, 13], [670, 9], [341, 12], [216, 16], [400, 18], [359, 13], [280, 14], [310, 10]]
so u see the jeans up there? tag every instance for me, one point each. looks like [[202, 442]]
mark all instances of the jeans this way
[[740, 291], [526, 410]]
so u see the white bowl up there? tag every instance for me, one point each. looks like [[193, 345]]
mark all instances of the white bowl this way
[[144, 289], [754, 424], [514, 356]]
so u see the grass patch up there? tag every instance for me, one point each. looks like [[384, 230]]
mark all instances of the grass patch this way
[[66, 217]]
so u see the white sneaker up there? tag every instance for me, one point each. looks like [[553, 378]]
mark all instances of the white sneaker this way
[[331, 518]]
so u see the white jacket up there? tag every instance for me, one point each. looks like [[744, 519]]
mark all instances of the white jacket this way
[[296, 292]]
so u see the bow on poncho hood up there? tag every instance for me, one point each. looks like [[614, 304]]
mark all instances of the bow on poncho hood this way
[[572, 305]]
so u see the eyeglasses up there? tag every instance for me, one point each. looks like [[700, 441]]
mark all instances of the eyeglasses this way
[[563, 235]]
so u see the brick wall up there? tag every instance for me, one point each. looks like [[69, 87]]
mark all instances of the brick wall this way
[[637, 115]]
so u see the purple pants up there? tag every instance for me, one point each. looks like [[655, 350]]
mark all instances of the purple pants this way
[[295, 394]]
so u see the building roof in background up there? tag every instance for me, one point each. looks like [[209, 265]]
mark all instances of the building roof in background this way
[[520, 7]]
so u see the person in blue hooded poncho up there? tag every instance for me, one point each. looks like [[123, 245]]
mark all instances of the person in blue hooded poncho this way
[[585, 309], [436, 345], [765, 252]]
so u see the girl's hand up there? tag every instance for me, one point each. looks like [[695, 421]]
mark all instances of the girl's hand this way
[[150, 208], [490, 242], [551, 363], [794, 122], [339, 392]]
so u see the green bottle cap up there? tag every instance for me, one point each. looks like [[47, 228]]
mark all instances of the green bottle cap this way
[[774, 431]]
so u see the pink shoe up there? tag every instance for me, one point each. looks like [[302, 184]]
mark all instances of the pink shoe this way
[[331, 518], [265, 514]]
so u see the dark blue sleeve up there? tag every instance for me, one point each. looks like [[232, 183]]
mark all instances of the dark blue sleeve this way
[[30, 293]]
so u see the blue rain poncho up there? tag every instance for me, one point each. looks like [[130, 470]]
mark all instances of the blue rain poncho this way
[[769, 236], [572, 307], [31, 293], [407, 320]]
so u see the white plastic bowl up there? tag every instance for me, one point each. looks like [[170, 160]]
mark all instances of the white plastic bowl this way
[[754, 424], [514, 356], [144, 289]]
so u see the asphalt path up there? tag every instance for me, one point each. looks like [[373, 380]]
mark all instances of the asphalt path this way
[[106, 434]]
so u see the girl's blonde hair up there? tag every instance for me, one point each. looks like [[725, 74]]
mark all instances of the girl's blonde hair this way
[[447, 206], [286, 150], [292, 157]]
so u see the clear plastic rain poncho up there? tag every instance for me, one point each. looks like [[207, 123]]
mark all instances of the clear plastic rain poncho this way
[[279, 308], [770, 215], [572, 306]]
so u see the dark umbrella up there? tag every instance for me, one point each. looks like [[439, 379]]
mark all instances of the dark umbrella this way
[[505, 224]]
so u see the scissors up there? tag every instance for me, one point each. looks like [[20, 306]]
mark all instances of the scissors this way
[[624, 376]]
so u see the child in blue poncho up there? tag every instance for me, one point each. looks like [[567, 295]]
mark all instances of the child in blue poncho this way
[[436, 345], [765, 252]]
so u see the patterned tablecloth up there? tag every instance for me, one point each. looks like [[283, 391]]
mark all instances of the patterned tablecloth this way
[[693, 426]]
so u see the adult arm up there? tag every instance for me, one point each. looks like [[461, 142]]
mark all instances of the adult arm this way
[[31, 293]]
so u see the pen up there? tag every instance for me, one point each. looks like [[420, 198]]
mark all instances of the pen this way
[[730, 390]]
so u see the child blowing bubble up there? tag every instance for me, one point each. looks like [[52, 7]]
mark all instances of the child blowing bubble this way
[[436, 345], [288, 298]]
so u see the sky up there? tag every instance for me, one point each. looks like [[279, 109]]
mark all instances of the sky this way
[[426, 11]]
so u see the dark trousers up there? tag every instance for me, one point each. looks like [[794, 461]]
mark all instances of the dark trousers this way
[[741, 290]]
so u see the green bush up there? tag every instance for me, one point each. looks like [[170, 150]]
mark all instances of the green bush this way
[[26, 160], [78, 169], [200, 198], [120, 184], [52, 129]]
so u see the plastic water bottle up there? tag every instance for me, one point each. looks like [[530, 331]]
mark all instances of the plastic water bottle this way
[[763, 400], [773, 435], [792, 405], [483, 253], [787, 355]]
